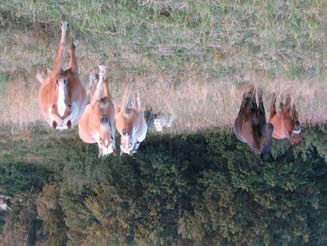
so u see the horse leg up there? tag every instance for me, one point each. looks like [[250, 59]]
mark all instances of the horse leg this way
[[272, 110], [99, 90], [98, 93], [72, 58], [58, 60], [287, 106], [281, 104], [91, 87], [104, 79]]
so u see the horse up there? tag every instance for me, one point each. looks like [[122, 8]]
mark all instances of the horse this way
[[286, 121], [251, 127], [97, 124], [62, 97], [131, 125]]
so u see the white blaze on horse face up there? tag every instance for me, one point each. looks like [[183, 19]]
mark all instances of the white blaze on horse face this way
[[106, 149], [127, 142], [62, 91], [126, 147], [106, 145]]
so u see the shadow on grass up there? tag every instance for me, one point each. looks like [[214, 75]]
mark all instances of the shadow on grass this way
[[203, 188]]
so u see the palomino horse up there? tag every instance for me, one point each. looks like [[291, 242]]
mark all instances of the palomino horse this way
[[131, 125], [62, 97], [250, 125], [286, 121], [97, 122]]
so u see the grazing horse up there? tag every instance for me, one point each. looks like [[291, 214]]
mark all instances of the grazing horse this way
[[250, 125], [62, 97], [131, 125], [286, 121], [97, 122]]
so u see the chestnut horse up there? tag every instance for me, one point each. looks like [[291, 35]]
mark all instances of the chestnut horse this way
[[250, 125], [131, 125], [286, 121], [62, 97], [97, 122]]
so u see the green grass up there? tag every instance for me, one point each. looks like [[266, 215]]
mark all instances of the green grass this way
[[192, 58]]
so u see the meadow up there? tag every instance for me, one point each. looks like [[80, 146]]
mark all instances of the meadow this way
[[190, 58]]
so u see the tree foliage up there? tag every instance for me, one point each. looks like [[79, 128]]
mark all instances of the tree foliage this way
[[201, 189]]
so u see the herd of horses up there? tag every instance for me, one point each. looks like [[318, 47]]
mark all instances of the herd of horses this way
[[64, 103], [252, 128]]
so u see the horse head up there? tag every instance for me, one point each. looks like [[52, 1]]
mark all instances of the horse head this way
[[126, 141], [106, 141], [286, 122], [126, 126], [266, 142]]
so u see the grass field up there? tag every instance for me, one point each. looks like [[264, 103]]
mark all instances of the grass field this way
[[192, 58]]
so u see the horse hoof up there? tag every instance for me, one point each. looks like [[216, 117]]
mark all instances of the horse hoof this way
[[69, 124]]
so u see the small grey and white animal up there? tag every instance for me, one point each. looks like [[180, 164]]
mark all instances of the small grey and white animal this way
[[159, 121], [4, 203]]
